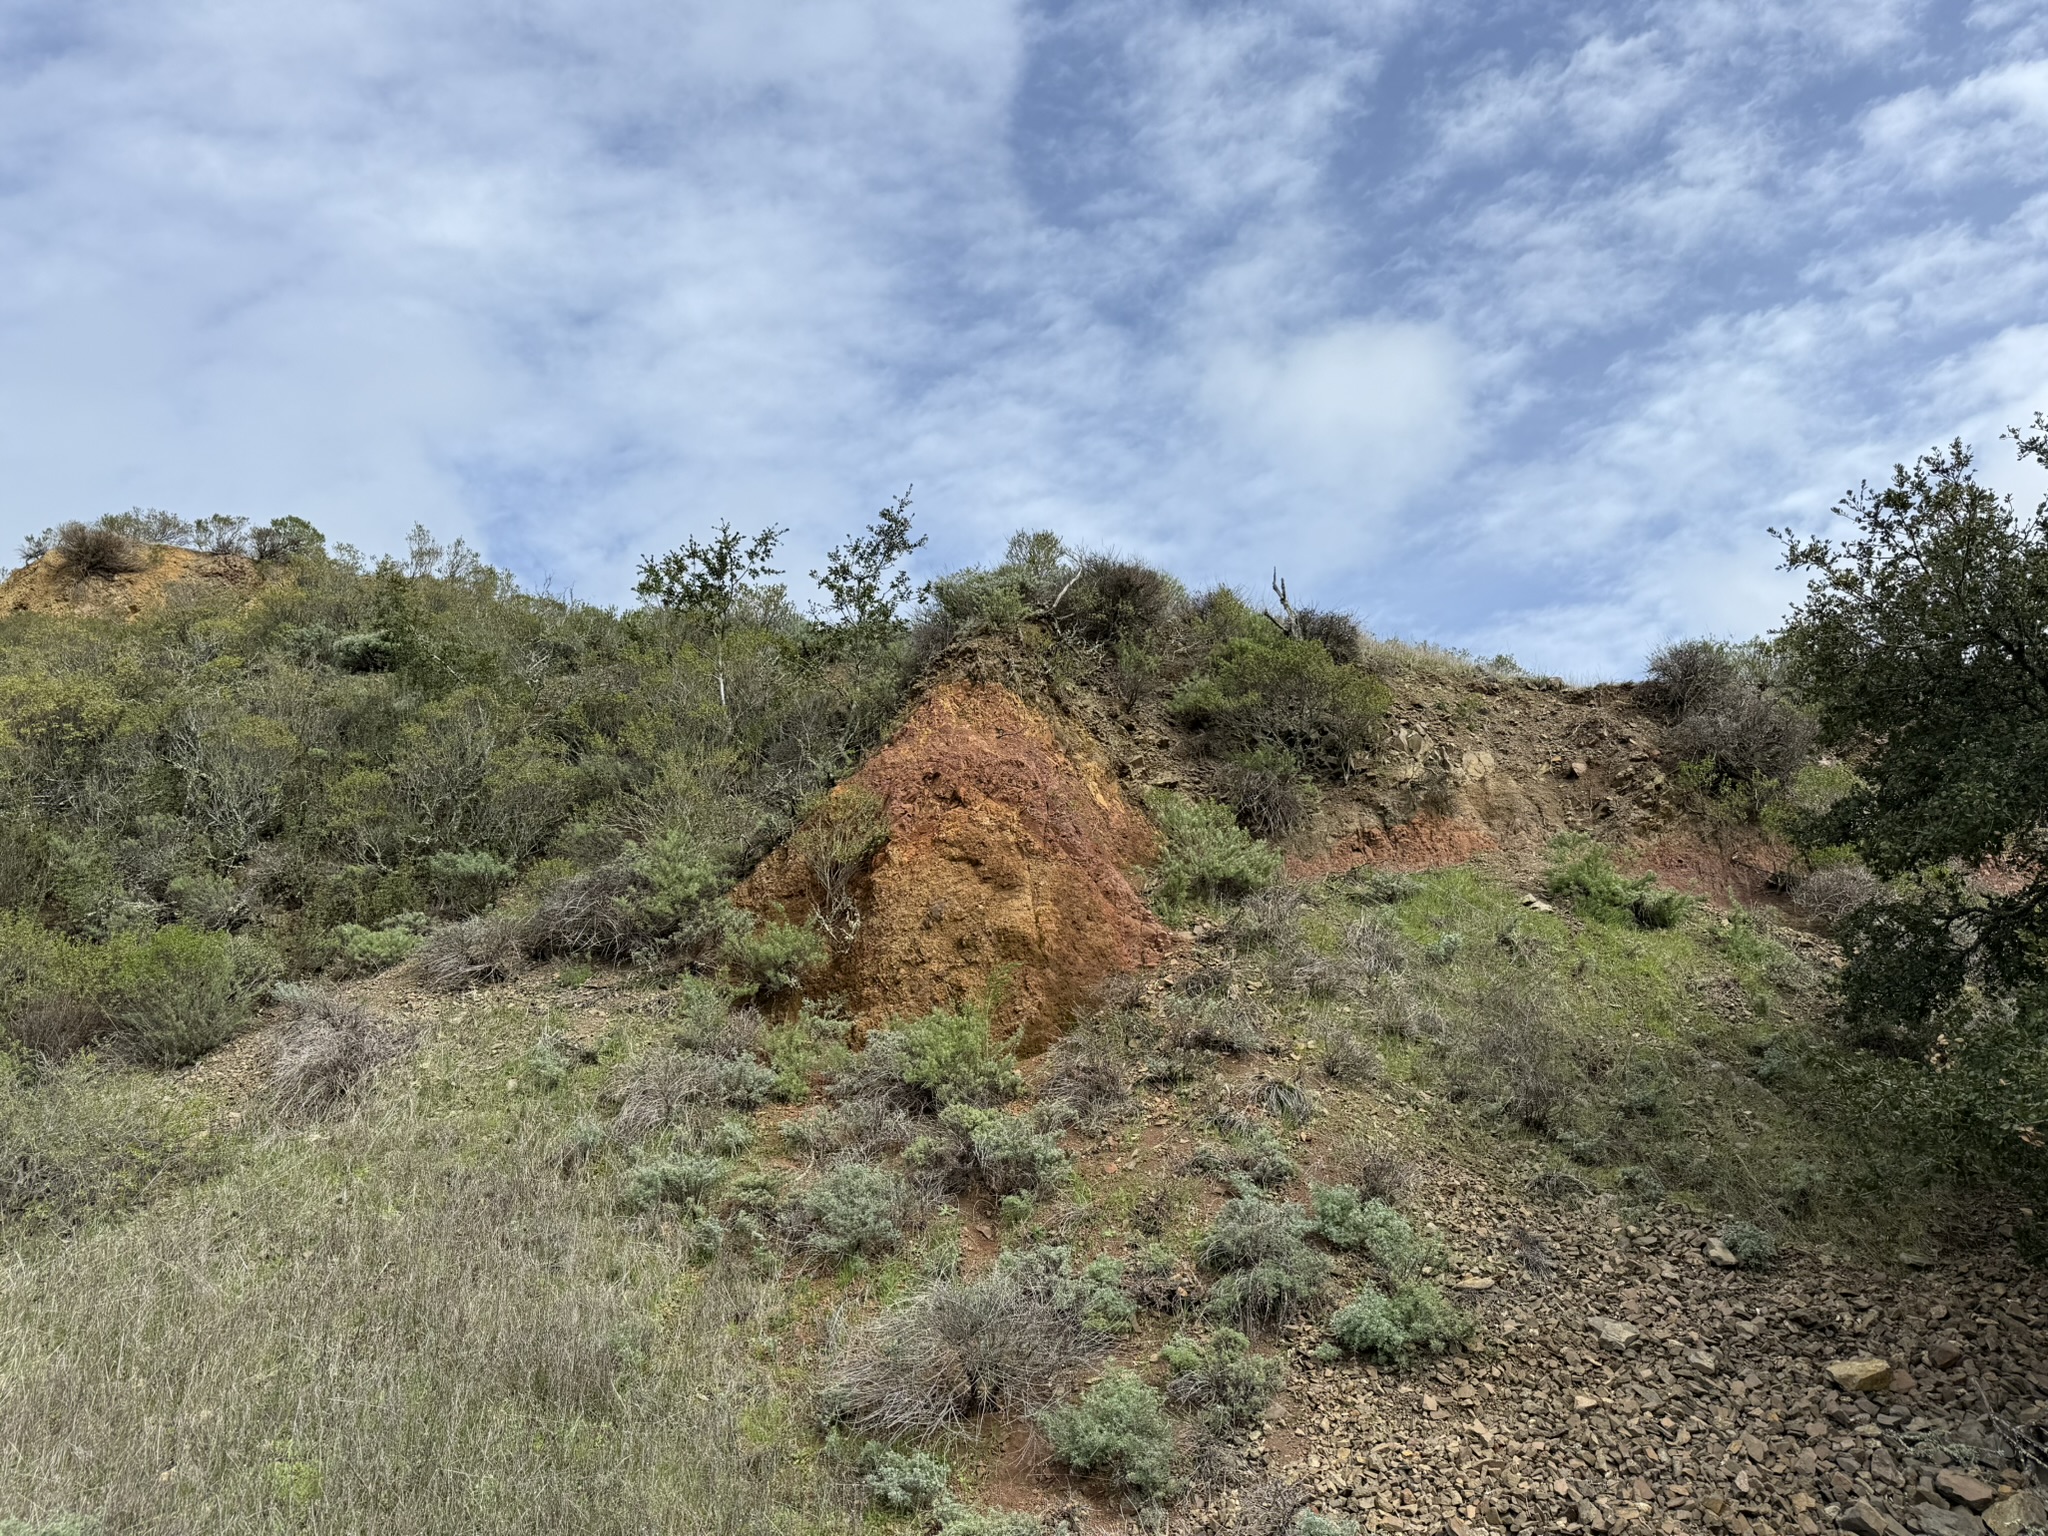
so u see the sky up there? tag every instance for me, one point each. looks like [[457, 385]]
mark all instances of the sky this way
[[1514, 327]]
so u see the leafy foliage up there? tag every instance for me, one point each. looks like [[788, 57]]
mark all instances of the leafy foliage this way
[[1205, 857], [1224, 1380], [1583, 874], [1918, 646]]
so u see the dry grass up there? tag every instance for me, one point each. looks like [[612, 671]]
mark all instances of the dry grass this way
[[328, 1051], [89, 550], [471, 954], [404, 1331]]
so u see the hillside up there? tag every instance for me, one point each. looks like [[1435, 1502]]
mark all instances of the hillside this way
[[873, 1083]]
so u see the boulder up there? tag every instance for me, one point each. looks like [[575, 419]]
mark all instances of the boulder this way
[[1934, 1521], [1866, 1519], [1720, 1255]]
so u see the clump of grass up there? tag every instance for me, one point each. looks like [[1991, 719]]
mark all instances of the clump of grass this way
[[1224, 1381], [949, 1056], [1119, 1429], [681, 1179], [958, 1348], [1391, 1329], [1753, 1247], [328, 1050]]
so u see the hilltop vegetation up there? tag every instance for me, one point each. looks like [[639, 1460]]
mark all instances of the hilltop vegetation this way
[[409, 1120]]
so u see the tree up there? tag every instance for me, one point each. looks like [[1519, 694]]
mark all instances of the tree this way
[[709, 580], [1922, 647], [863, 577]]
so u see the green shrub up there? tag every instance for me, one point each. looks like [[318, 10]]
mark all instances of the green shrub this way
[[1119, 1429], [810, 1045], [1753, 1247], [853, 1212], [361, 951], [685, 1179], [959, 1520], [1010, 1154], [1266, 1270], [180, 993], [903, 1482], [951, 1057], [466, 883], [1224, 1381], [835, 844], [1390, 1329], [772, 960], [1346, 1219], [1265, 789], [1308, 1523], [1252, 1155], [1205, 857], [1583, 875], [1263, 687]]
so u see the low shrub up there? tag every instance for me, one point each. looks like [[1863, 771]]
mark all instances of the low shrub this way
[[93, 549], [1582, 874], [951, 1057], [1308, 1523], [1089, 1072], [1753, 1247], [1205, 857], [661, 896], [812, 1045], [1390, 1329], [1112, 602], [1347, 1219], [903, 1482], [682, 1179], [328, 1049], [1252, 1155], [1346, 1059], [361, 951], [959, 1348], [853, 1212], [179, 993], [473, 953], [1266, 791], [1224, 1381], [772, 960], [466, 883], [1829, 895], [1513, 1057], [1118, 1429], [959, 1520], [835, 844], [1266, 1271], [1007, 1154], [1383, 1172]]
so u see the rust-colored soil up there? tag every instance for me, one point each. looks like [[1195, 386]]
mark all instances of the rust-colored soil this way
[[1009, 846], [49, 585], [1428, 842]]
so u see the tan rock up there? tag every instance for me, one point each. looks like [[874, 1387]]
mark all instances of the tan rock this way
[[1866, 1519], [1862, 1374], [2019, 1513], [1720, 1255], [1613, 1332]]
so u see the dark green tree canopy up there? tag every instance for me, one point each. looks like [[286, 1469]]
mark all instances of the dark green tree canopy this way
[[1922, 648]]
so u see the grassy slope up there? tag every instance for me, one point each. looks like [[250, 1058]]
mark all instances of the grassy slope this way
[[412, 1319]]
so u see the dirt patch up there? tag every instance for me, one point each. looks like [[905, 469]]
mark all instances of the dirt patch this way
[[1738, 868], [49, 585], [1007, 859], [1428, 842]]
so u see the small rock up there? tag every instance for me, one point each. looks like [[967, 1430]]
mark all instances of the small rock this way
[[1916, 1260], [1961, 1488], [2021, 1512], [1578, 768], [1948, 1522], [1473, 1283], [1581, 1402], [1902, 1381], [1863, 1374], [1720, 1255], [1866, 1519], [1613, 1332], [1945, 1354], [1537, 904]]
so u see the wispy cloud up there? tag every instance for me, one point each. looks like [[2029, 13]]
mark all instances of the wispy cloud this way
[[1514, 327]]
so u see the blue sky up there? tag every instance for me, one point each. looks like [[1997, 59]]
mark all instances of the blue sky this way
[[1510, 326]]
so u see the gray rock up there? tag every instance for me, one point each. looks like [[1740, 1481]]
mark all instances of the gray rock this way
[[1947, 1522], [1720, 1255], [1613, 1332], [1972, 1493], [2017, 1514]]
